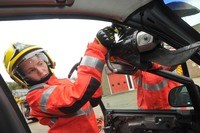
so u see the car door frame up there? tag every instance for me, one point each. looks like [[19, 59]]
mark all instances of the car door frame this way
[[11, 118]]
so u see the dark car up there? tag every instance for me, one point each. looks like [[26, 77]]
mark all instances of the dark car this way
[[175, 23]]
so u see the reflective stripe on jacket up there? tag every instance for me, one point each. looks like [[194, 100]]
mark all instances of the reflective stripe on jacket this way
[[64, 105], [152, 90]]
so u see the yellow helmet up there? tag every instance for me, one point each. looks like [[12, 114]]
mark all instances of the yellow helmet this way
[[19, 52]]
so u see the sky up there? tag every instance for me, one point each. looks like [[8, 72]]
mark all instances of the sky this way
[[65, 40]]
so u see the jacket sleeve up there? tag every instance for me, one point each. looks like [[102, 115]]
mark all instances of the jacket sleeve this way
[[96, 98], [70, 97], [89, 78], [158, 66]]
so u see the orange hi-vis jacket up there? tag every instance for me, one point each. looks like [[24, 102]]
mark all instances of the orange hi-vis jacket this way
[[153, 90], [66, 106]]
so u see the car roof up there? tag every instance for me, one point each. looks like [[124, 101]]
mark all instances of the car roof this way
[[117, 10]]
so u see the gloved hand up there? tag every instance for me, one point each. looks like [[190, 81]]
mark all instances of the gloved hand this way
[[106, 37]]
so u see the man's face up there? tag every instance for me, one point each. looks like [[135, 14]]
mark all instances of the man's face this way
[[34, 68]]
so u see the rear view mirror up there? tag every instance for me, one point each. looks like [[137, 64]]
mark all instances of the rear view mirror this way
[[179, 97]]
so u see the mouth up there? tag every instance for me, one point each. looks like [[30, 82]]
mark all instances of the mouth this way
[[46, 75]]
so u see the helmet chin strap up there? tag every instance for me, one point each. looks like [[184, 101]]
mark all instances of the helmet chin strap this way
[[33, 82]]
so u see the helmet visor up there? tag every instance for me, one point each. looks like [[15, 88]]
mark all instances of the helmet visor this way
[[40, 53]]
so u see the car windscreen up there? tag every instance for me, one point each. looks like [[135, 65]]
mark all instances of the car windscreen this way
[[188, 10]]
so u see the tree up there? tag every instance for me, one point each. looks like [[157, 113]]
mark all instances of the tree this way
[[13, 86]]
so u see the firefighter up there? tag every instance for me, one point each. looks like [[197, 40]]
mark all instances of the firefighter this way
[[153, 90], [63, 105]]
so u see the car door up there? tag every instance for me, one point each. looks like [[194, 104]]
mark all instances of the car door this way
[[12, 120]]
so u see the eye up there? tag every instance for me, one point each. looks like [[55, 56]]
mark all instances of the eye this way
[[40, 63], [30, 71]]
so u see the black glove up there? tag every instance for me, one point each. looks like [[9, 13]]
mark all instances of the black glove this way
[[123, 31], [106, 37]]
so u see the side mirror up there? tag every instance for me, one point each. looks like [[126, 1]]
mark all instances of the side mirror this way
[[179, 97]]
